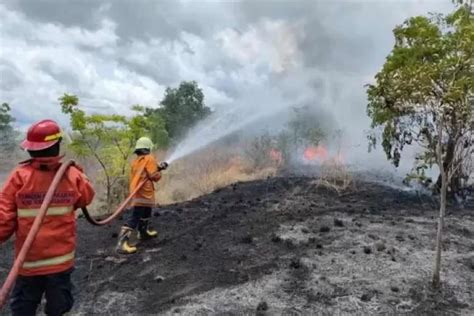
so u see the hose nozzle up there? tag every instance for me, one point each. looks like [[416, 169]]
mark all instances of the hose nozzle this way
[[163, 166]]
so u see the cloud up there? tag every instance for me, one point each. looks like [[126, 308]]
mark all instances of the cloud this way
[[85, 14], [252, 46], [113, 54], [41, 61]]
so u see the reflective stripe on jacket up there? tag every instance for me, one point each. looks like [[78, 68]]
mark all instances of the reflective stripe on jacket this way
[[144, 167], [20, 200]]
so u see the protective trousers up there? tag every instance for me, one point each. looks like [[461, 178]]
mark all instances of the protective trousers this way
[[29, 290], [139, 213]]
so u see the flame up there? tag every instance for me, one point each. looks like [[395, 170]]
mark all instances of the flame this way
[[313, 153]]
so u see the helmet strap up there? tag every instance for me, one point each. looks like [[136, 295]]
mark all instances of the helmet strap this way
[[52, 151]]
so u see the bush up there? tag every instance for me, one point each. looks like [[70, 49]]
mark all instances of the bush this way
[[258, 151], [335, 176], [205, 172]]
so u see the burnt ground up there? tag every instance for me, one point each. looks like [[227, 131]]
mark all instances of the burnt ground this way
[[281, 246]]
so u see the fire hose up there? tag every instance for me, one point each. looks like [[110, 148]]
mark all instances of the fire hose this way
[[20, 259], [115, 214]]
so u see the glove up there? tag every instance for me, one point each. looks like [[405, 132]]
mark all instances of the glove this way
[[162, 166]]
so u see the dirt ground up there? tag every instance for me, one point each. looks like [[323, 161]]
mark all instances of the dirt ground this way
[[282, 246]]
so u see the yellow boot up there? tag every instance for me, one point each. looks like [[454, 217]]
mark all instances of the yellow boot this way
[[145, 231], [123, 245]]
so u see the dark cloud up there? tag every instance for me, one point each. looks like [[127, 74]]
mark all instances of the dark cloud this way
[[116, 52], [65, 77], [68, 13], [144, 19], [137, 19], [167, 19], [337, 34], [250, 11], [163, 70]]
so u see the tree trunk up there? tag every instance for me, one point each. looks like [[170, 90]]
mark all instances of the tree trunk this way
[[444, 170], [448, 161], [109, 193], [453, 187], [439, 236]]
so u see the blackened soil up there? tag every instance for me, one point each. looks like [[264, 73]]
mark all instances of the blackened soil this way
[[278, 246]]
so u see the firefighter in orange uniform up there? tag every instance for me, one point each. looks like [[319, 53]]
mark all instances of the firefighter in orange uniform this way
[[143, 167], [50, 261]]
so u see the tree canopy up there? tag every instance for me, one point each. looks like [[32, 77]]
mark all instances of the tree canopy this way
[[424, 93], [7, 131], [109, 138], [181, 108]]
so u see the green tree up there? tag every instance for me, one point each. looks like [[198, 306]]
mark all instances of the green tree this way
[[258, 150], [153, 123], [424, 95], [6, 119], [466, 3], [110, 139], [180, 109], [285, 145], [305, 128], [8, 134]]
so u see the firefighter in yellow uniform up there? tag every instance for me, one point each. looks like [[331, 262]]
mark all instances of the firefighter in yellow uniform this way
[[144, 166]]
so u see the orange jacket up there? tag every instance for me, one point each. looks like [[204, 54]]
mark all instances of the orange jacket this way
[[21, 197], [144, 167]]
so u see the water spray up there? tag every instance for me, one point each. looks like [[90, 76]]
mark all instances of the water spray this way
[[256, 105]]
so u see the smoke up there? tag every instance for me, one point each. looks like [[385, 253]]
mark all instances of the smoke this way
[[246, 113], [253, 59], [315, 53]]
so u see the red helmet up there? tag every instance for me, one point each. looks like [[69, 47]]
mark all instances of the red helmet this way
[[42, 135]]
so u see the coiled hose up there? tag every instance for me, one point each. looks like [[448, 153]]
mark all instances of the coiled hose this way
[[20, 259]]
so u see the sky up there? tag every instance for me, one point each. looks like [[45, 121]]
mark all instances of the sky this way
[[113, 54]]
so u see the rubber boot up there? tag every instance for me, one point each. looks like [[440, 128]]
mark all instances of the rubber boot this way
[[123, 245], [145, 231]]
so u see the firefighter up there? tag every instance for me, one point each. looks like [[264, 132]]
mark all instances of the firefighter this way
[[144, 166], [50, 261]]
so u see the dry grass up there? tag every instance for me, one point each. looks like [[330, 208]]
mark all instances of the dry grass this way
[[189, 178], [209, 170], [205, 172], [335, 176]]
